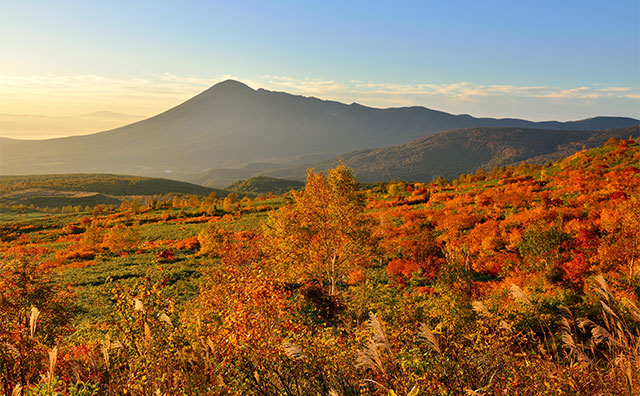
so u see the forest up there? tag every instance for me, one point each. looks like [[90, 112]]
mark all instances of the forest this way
[[516, 280]]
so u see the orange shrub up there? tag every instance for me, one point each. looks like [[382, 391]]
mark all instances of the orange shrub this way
[[191, 243]]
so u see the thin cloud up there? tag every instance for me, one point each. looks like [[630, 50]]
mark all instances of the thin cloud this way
[[463, 89], [153, 93], [306, 86]]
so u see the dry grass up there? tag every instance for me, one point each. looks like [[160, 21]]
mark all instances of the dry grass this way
[[427, 335], [377, 356], [33, 319], [614, 339]]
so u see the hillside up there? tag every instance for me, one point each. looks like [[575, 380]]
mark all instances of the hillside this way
[[120, 185], [41, 198], [54, 192], [264, 185], [82, 190], [513, 275], [230, 125], [451, 153]]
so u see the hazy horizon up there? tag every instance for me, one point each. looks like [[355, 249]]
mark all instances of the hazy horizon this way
[[45, 126], [542, 61]]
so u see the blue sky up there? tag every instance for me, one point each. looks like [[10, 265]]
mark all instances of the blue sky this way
[[528, 59]]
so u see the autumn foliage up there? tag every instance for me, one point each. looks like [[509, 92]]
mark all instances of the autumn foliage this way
[[519, 280], [323, 234]]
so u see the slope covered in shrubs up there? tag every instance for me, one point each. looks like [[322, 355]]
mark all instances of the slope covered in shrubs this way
[[520, 280]]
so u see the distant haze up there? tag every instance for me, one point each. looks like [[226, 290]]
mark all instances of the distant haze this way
[[27, 126]]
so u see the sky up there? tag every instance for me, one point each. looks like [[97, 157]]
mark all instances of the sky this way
[[538, 60]]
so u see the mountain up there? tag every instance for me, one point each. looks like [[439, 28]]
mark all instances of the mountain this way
[[230, 125], [458, 151]]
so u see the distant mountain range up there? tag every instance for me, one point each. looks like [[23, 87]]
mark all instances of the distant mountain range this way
[[451, 153], [235, 129]]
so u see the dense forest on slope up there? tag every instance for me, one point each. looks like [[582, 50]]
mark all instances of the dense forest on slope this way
[[102, 183], [88, 190], [451, 153], [263, 185], [521, 280]]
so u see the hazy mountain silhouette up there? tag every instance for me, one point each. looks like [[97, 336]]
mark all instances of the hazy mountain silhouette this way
[[230, 125], [458, 151]]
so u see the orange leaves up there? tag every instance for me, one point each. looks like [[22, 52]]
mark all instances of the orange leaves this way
[[244, 314], [122, 238], [69, 255], [575, 271], [233, 248], [323, 233], [191, 243], [589, 199], [213, 239], [404, 269], [621, 225], [456, 222], [407, 234], [485, 237]]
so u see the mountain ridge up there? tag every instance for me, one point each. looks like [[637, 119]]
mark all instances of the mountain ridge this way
[[451, 153], [231, 124]]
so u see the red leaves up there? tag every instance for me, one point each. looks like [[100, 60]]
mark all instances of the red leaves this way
[[404, 269], [589, 196], [166, 256], [618, 195]]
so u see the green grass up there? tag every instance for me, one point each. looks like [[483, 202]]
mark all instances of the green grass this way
[[275, 202], [39, 218], [250, 221], [170, 230], [8, 217], [93, 284]]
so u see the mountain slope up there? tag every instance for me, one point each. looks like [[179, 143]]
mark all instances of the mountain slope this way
[[454, 152], [263, 185], [116, 185], [231, 124]]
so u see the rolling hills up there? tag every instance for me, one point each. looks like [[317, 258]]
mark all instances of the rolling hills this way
[[103, 183], [231, 125], [458, 151], [264, 185], [55, 191]]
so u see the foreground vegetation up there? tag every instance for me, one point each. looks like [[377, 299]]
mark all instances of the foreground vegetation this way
[[520, 280]]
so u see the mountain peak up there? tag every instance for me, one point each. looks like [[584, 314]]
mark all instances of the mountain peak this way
[[231, 86]]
